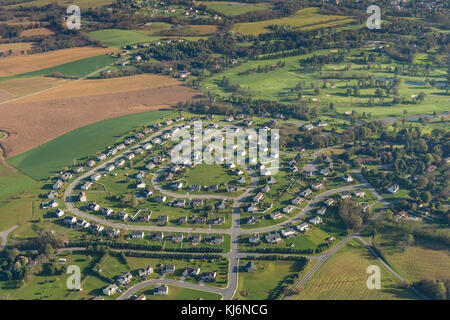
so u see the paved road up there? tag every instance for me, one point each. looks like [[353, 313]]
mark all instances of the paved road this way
[[234, 255], [141, 285], [4, 236]]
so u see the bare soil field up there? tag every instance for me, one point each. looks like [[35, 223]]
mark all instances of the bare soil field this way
[[101, 86], [32, 123], [32, 62], [5, 95], [24, 86], [36, 32]]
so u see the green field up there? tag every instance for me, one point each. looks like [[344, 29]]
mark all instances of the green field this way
[[179, 293], [80, 3], [75, 69], [279, 85], [235, 8], [257, 285], [118, 38], [344, 277], [308, 18], [207, 175], [61, 152]]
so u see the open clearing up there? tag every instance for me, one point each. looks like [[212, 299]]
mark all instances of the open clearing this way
[[344, 277], [118, 38], [305, 18], [179, 293], [16, 48], [24, 86], [54, 155], [235, 8], [38, 120], [27, 63], [66, 3], [36, 32]]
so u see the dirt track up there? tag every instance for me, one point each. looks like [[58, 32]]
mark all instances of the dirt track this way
[[31, 124]]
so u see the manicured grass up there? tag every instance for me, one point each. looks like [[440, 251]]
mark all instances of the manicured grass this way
[[46, 287], [76, 69], [118, 38], [207, 175], [179, 293], [53, 156], [308, 17], [344, 277], [257, 285]]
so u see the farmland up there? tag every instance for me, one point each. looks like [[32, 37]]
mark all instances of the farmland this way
[[343, 277], [33, 62], [303, 19], [235, 8], [95, 137], [117, 38], [81, 3], [15, 48], [82, 108], [24, 86]]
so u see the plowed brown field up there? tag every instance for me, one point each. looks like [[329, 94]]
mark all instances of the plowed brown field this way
[[42, 117]]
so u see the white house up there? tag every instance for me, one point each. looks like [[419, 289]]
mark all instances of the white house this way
[[394, 188], [288, 209], [288, 232], [302, 227], [110, 290], [347, 178], [316, 220]]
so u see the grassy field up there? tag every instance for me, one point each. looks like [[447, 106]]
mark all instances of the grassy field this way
[[179, 293], [280, 83], [44, 63], [53, 156], [235, 8], [15, 48], [118, 38], [84, 4], [43, 287], [422, 260], [257, 285], [207, 175], [305, 18], [344, 277]]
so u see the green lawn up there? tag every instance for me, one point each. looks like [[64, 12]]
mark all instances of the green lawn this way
[[118, 38], [179, 293], [257, 285], [61, 152], [207, 175], [235, 8]]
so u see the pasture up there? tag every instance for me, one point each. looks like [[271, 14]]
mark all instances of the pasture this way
[[257, 285], [344, 277], [39, 61], [81, 3], [24, 86], [117, 38], [235, 8], [306, 18], [15, 48], [80, 143]]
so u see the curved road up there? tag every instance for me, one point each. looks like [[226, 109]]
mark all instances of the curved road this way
[[234, 255]]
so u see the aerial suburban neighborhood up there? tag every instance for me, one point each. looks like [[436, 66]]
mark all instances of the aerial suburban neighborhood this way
[[225, 150]]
